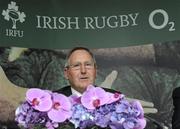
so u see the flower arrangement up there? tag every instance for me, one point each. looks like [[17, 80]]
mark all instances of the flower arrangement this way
[[95, 108]]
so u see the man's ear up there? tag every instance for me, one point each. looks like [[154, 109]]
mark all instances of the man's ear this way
[[66, 73]]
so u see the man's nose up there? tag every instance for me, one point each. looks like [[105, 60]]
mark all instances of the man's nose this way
[[83, 69]]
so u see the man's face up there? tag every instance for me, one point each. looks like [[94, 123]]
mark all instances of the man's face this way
[[81, 71]]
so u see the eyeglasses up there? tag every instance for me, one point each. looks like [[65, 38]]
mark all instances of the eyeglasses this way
[[77, 66]]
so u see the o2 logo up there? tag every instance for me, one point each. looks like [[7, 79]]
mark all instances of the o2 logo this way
[[165, 20]]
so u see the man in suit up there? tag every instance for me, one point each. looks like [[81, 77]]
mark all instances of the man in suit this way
[[80, 70], [176, 103]]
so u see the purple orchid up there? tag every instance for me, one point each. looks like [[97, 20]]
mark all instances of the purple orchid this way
[[61, 108], [94, 97], [39, 99]]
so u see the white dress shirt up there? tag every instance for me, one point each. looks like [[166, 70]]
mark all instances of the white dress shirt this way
[[75, 92]]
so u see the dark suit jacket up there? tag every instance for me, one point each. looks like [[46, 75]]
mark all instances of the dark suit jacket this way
[[176, 114], [65, 90]]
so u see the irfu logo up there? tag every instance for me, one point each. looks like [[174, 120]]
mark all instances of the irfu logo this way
[[13, 14]]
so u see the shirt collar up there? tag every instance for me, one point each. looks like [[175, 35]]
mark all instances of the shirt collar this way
[[75, 92]]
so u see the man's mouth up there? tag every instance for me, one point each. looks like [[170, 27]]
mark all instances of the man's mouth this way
[[83, 78]]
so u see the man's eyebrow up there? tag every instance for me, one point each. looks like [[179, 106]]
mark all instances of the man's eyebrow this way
[[83, 61]]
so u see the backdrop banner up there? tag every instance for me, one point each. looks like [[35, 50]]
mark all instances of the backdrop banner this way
[[95, 24], [136, 45]]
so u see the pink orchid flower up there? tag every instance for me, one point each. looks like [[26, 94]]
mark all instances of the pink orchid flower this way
[[61, 109], [39, 99], [113, 97], [94, 97]]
